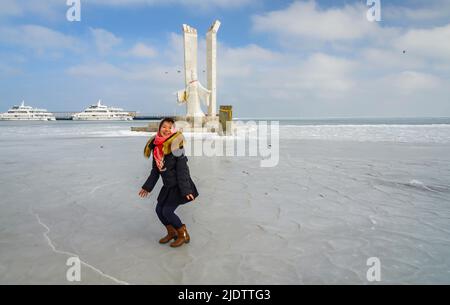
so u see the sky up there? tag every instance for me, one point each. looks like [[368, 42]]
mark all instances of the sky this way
[[276, 58]]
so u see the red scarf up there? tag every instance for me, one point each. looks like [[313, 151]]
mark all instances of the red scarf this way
[[158, 153]]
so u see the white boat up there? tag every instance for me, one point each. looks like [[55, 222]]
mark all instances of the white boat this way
[[26, 113], [99, 112]]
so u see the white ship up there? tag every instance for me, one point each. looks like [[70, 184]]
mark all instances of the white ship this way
[[99, 112], [26, 113]]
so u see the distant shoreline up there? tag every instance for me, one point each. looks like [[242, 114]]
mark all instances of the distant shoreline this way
[[355, 121], [368, 121]]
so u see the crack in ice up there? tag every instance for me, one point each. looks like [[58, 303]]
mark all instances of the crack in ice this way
[[52, 246], [101, 186]]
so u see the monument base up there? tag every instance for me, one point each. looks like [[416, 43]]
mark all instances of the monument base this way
[[187, 124], [197, 124]]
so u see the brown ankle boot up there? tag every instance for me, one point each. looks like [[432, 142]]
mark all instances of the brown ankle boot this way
[[183, 237], [171, 234]]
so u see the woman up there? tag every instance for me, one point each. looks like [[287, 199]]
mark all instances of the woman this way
[[170, 163]]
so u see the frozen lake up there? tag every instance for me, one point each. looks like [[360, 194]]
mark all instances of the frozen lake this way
[[339, 196]]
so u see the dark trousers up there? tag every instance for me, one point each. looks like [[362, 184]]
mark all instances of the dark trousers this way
[[166, 214]]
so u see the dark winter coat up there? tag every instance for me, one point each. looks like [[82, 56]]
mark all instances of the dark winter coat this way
[[176, 178]]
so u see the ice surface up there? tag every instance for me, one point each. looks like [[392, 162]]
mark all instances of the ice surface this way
[[315, 218], [431, 133], [437, 133]]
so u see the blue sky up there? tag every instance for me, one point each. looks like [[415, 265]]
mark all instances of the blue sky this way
[[276, 58]]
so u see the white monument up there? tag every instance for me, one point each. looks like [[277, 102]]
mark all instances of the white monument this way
[[194, 91]]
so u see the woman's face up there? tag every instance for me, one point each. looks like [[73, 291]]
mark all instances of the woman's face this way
[[166, 129]]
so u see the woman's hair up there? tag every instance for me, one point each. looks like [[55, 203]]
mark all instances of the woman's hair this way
[[168, 120]]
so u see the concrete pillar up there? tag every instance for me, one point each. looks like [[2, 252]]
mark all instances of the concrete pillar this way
[[190, 52], [190, 69], [211, 66]]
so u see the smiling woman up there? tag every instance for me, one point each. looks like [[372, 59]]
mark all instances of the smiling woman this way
[[170, 163]]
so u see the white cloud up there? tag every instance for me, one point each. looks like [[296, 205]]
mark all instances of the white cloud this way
[[149, 73], [388, 59], [94, 70], [56, 9], [409, 82], [417, 11], [142, 50], [306, 20], [329, 73], [431, 43], [8, 70], [37, 37], [251, 53], [409, 14], [193, 4], [105, 41], [10, 7], [49, 9]]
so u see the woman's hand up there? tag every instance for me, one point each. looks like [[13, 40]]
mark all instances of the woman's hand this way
[[190, 197], [143, 193]]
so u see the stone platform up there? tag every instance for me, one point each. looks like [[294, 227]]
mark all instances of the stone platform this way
[[186, 124]]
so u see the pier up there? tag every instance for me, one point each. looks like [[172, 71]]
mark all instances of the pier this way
[[67, 116]]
